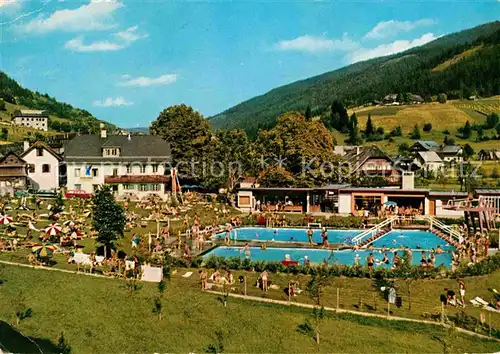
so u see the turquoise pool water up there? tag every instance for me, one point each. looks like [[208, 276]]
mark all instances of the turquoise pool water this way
[[407, 238], [346, 257], [287, 235]]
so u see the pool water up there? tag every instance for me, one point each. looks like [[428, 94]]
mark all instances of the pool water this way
[[416, 240], [413, 239], [346, 257], [407, 238], [287, 235]]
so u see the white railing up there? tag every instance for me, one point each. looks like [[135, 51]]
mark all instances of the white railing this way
[[374, 230], [435, 223]]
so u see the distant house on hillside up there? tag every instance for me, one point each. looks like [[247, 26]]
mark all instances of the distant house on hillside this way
[[416, 99], [446, 152], [425, 145], [391, 100], [429, 160], [373, 162], [30, 118], [489, 155]]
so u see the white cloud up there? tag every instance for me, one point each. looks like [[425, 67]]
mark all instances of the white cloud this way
[[390, 48], [9, 4], [77, 45], [150, 81], [130, 35], [392, 28], [112, 102], [309, 43], [123, 40], [94, 16]]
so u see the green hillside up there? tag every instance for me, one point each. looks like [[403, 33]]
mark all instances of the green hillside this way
[[63, 117], [458, 75]]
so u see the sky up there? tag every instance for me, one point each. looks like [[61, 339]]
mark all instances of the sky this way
[[125, 61]]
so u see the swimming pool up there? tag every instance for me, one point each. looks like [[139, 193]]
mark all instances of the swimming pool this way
[[396, 238], [316, 256], [287, 235]]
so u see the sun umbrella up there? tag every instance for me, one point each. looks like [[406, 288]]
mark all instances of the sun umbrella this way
[[5, 220], [390, 202], [43, 249], [71, 223], [75, 234], [53, 229]]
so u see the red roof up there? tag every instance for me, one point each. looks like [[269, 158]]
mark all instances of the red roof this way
[[137, 179]]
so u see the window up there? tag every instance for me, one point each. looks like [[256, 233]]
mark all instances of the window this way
[[95, 172], [45, 168], [115, 172], [155, 187], [129, 168], [78, 172], [155, 168], [129, 186], [111, 152], [143, 187], [31, 168], [143, 168], [78, 187], [39, 152]]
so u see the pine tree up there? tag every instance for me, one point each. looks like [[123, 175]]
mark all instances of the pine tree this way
[[466, 130], [308, 114], [108, 218], [370, 128], [353, 122], [415, 134]]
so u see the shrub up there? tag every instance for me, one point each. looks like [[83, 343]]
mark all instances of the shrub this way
[[427, 127]]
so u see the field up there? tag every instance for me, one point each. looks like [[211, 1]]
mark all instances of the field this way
[[449, 116], [100, 315]]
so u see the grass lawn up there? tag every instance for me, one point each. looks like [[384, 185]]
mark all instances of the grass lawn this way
[[99, 315]]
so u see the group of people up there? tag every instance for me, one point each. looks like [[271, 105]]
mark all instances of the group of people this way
[[471, 248]]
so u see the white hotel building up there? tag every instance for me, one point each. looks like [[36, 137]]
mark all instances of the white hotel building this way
[[133, 165]]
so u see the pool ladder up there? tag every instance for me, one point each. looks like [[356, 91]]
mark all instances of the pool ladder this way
[[373, 238]]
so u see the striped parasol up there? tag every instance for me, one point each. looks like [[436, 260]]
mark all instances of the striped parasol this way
[[5, 220], [43, 250], [53, 229], [75, 234]]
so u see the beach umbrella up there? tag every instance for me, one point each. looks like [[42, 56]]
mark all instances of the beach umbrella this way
[[43, 250], [390, 203], [75, 234], [70, 223], [53, 229], [32, 227], [5, 220]]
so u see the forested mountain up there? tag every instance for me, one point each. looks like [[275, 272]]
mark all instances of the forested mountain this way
[[74, 119], [417, 70]]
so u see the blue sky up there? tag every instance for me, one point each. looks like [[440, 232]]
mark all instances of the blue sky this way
[[125, 61]]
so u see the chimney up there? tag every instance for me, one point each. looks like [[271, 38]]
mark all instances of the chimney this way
[[104, 133], [408, 180], [26, 145], [358, 150]]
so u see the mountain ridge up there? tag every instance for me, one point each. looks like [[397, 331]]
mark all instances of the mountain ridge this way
[[362, 82]]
